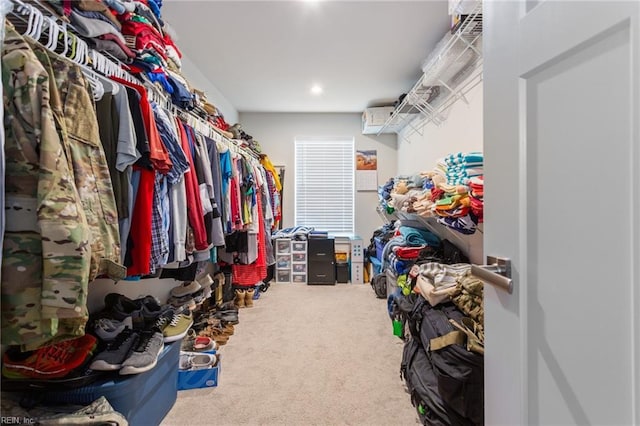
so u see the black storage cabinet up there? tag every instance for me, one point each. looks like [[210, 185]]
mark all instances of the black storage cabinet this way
[[321, 261]]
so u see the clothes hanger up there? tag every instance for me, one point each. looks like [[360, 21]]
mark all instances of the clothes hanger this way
[[54, 32], [38, 19], [65, 36]]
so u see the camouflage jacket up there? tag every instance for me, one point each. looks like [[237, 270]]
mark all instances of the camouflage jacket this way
[[46, 249]]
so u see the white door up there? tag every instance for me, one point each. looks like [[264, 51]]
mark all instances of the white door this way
[[562, 161]]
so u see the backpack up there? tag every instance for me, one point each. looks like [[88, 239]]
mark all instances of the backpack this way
[[460, 371], [379, 285], [422, 385]]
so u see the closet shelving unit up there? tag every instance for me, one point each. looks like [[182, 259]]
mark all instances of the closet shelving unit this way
[[450, 72], [470, 245]]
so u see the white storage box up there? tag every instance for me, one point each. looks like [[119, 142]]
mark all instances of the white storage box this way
[[374, 118]]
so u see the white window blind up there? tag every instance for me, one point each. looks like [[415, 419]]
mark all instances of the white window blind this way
[[324, 183]]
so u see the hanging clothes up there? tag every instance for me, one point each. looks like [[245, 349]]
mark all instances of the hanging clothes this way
[[79, 129], [252, 274], [46, 249], [194, 205]]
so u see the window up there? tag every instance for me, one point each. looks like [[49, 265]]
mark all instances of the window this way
[[324, 183]]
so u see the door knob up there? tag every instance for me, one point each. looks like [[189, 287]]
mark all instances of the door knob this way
[[496, 272]]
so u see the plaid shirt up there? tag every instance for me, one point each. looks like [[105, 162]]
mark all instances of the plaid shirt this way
[[159, 225]]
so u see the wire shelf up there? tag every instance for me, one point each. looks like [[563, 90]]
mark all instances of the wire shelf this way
[[449, 73]]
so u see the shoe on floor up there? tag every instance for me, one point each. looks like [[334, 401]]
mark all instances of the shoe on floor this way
[[116, 353], [240, 298], [194, 343], [48, 362], [248, 298], [145, 355]]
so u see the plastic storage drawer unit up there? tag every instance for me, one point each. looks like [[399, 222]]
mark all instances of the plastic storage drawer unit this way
[[144, 399]]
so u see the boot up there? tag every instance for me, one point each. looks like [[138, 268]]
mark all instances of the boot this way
[[248, 298], [240, 298]]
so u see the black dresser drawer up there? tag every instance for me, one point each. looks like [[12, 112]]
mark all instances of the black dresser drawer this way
[[321, 249], [321, 273]]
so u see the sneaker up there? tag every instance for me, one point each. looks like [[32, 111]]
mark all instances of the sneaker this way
[[194, 343], [116, 352], [186, 289], [99, 412], [204, 344], [108, 329], [197, 361], [119, 307], [177, 327], [145, 355], [187, 302], [164, 319], [151, 310], [230, 317], [49, 362]]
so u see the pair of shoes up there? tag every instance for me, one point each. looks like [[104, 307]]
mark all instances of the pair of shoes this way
[[197, 361], [48, 362], [132, 352], [174, 325], [143, 311], [244, 297], [228, 316], [217, 333], [194, 343]]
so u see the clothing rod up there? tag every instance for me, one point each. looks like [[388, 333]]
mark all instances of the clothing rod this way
[[109, 66]]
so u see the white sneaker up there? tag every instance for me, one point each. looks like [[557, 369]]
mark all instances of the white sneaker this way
[[197, 361]]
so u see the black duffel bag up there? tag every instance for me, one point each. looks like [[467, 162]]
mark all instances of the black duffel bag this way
[[459, 371]]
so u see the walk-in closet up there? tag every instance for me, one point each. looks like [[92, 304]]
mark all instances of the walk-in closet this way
[[320, 212]]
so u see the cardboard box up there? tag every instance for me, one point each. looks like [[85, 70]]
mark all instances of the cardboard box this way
[[199, 378]]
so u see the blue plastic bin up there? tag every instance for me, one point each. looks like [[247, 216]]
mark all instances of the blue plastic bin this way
[[144, 399]]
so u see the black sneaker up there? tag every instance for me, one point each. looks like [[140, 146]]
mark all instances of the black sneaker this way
[[116, 352], [151, 310], [119, 307], [145, 356]]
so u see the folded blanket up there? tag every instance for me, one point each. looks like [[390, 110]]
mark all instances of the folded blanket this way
[[457, 212], [437, 282], [469, 157], [464, 225], [408, 253], [418, 237]]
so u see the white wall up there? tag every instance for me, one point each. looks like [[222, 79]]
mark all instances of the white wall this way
[[461, 131], [276, 133], [201, 82]]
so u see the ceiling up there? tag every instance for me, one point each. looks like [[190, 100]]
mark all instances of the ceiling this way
[[264, 56]]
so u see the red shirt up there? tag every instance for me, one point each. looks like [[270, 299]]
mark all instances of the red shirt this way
[[194, 203]]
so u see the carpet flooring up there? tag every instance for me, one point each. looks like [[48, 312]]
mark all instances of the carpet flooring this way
[[306, 355]]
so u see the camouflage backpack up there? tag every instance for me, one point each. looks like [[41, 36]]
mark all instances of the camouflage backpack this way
[[468, 297]]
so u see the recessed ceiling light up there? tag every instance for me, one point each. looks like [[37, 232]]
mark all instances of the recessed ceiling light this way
[[316, 89]]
